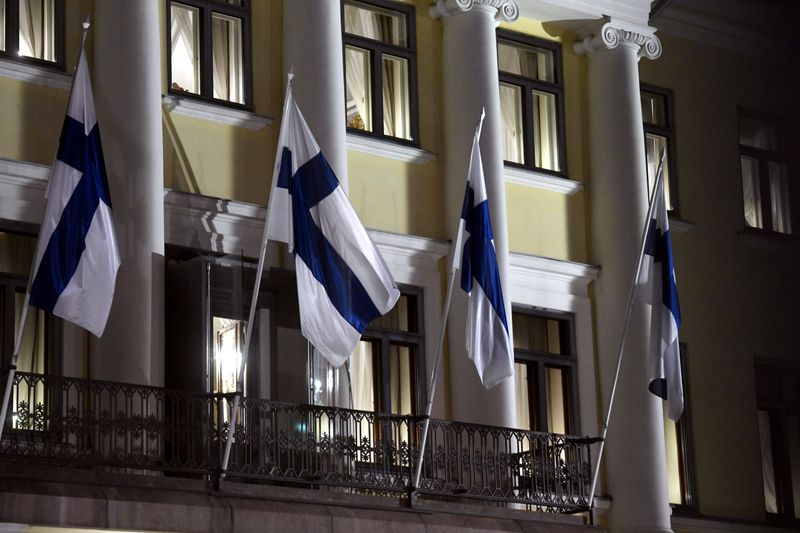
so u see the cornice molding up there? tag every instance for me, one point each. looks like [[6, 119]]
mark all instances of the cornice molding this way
[[608, 34], [542, 180], [506, 10], [215, 113], [34, 74], [555, 275], [386, 148]]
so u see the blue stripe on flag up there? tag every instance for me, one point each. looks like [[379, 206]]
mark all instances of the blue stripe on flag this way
[[482, 260], [313, 182], [66, 245], [285, 172], [659, 245]]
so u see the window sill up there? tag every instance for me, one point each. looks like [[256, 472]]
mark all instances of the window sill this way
[[216, 113], [34, 74], [679, 226], [542, 180], [384, 148], [770, 241]]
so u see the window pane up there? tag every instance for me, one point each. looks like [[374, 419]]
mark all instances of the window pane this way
[[401, 386], [673, 451], [654, 145], [751, 190], [2, 25], [545, 126], [779, 198], [521, 395], [511, 112], [362, 373], [557, 404], [758, 134], [375, 23], [227, 334], [37, 29], [402, 317], [396, 112], [359, 88], [524, 60], [767, 465], [793, 436], [16, 253], [653, 109], [185, 30], [540, 334], [226, 40]]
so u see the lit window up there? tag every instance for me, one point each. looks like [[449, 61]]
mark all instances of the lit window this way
[[531, 101], [545, 377], [765, 181], [659, 136], [777, 386], [380, 69], [32, 30], [219, 71], [679, 457]]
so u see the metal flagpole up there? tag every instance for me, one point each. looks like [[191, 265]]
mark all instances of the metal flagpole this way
[[249, 331], [440, 344], [656, 191], [24, 316]]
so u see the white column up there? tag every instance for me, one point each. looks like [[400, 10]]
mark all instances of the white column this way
[[471, 83], [634, 455], [127, 83], [312, 47]]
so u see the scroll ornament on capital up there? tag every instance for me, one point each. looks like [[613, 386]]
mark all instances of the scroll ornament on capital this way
[[613, 34], [507, 10]]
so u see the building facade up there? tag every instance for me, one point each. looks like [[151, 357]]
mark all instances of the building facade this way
[[580, 100]]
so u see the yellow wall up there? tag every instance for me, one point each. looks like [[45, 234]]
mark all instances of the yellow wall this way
[[738, 300]]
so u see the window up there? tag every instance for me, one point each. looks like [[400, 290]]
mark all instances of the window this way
[[32, 31], [531, 101], [210, 49], [765, 180], [380, 69], [679, 459], [545, 372], [39, 351], [778, 397], [659, 135]]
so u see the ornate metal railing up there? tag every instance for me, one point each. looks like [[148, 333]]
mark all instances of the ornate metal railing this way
[[87, 423]]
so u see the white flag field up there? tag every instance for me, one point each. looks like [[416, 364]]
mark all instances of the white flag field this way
[[343, 282], [656, 286]]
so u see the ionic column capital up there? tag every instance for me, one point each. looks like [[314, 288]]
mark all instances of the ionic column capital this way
[[607, 34], [506, 10]]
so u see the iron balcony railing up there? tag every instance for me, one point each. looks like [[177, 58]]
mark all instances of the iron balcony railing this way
[[98, 424]]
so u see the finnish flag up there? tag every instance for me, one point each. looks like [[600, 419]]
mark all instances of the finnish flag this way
[[343, 282], [488, 336], [657, 287], [77, 256]]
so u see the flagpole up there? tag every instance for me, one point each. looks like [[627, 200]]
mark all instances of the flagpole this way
[[249, 331], [23, 319], [656, 191], [440, 343]]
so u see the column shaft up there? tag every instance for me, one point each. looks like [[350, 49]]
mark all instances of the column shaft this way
[[312, 47], [127, 81]]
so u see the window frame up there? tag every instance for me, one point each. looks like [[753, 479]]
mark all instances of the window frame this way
[[764, 158], [206, 8], [684, 436], [541, 360], [376, 51], [527, 85], [668, 132], [12, 37], [383, 337]]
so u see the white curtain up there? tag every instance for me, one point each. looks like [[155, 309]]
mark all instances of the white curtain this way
[[361, 371], [510, 111], [185, 53], [357, 74], [2, 25], [226, 40], [36, 29], [767, 466], [751, 193], [395, 98], [521, 396], [544, 120], [779, 198]]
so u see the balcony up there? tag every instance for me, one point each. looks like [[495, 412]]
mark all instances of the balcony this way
[[118, 428]]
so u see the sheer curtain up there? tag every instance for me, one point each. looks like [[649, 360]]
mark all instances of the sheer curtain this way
[[2, 25], [779, 198], [226, 40], [361, 372], [365, 23], [751, 193], [511, 111], [767, 466], [36, 29], [185, 49]]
